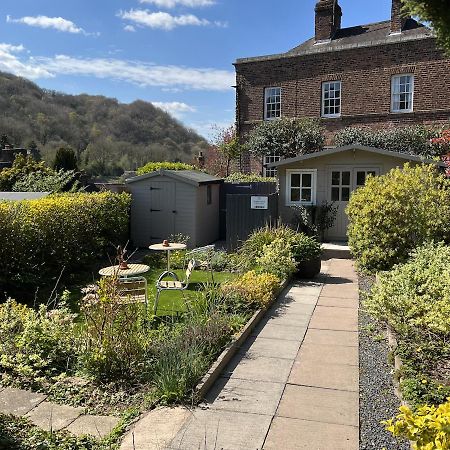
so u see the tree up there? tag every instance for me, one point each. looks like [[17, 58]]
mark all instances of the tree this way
[[435, 11], [228, 146], [286, 137], [65, 159]]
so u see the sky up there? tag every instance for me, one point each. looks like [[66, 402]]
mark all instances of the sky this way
[[177, 54]]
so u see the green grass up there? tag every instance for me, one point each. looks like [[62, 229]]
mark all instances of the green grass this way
[[173, 302]]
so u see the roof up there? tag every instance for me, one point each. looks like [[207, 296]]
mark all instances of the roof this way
[[193, 177], [332, 151], [22, 195], [369, 35]]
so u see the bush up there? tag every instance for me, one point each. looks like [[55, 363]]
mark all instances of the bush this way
[[394, 213], [238, 177], [155, 166], [254, 289], [57, 232], [277, 258], [428, 427], [286, 137], [414, 139], [60, 181], [36, 344]]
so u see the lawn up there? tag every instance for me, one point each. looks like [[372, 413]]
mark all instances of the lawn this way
[[174, 302]]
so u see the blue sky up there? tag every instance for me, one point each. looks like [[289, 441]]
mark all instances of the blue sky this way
[[177, 53]]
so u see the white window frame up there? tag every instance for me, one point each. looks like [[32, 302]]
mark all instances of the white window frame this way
[[393, 94], [289, 173], [325, 83], [267, 94], [272, 171]]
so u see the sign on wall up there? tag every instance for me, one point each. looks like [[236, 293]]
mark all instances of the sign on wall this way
[[259, 202]]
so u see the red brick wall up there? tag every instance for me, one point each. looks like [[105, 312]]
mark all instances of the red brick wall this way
[[366, 85]]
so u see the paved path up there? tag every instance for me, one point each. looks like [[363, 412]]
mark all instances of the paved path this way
[[51, 416], [293, 385]]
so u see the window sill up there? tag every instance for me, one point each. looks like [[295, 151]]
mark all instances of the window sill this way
[[300, 204], [409, 111], [338, 116]]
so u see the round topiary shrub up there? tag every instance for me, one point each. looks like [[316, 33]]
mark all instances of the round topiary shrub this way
[[397, 212]]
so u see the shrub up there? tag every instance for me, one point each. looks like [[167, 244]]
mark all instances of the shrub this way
[[238, 177], [394, 213], [255, 289], [60, 181], [414, 139], [286, 137], [155, 166], [36, 344], [428, 427], [305, 248], [57, 232], [277, 258]]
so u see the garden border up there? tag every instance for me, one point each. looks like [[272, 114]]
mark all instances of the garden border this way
[[224, 358]]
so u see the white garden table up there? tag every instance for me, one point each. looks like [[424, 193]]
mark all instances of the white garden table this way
[[168, 248], [133, 270]]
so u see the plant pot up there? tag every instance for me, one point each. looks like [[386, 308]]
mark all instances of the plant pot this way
[[309, 268]]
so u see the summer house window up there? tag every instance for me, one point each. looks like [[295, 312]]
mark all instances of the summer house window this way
[[402, 93], [331, 99], [270, 171], [301, 187], [272, 103], [340, 185]]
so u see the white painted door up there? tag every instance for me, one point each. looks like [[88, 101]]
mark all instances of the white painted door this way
[[162, 210]]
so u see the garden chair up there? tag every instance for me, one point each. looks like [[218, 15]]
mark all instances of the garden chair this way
[[203, 258], [173, 285], [133, 290]]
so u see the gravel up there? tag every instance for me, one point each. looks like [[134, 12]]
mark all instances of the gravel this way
[[377, 398]]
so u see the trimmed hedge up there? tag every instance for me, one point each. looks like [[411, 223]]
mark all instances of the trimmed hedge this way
[[395, 213], [155, 166], [41, 237]]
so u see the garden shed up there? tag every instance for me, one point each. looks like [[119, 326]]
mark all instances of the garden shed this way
[[168, 202], [331, 175]]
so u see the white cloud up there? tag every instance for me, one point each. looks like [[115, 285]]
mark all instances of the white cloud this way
[[10, 62], [129, 28], [209, 129], [176, 109], [163, 20], [56, 23], [173, 3]]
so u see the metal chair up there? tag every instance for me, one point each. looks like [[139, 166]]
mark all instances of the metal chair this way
[[133, 290], [173, 285], [203, 257]]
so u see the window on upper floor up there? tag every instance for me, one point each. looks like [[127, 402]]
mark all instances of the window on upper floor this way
[[269, 172], [272, 103], [331, 99], [402, 93]]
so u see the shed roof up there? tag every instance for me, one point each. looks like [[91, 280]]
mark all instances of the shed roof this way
[[369, 35], [193, 177], [332, 151], [22, 195]]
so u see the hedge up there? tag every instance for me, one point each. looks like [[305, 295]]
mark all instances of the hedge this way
[[41, 237], [155, 166]]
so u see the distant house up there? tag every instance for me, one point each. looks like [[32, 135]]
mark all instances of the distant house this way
[[332, 175], [379, 75], [8, 154]]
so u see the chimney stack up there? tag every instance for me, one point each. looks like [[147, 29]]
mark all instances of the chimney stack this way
[[398, 19], [328, 19]]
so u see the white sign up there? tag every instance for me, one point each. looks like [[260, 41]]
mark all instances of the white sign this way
[[259, 202]]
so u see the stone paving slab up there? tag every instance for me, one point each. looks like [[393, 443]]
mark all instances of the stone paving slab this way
[[256, 347], [289, 320], [340, 291], [339, 302], [256, 397], [97, 426], [300, 298], [19, 402], [320, 405], [330, 354], [331, 376], [291, 307], [289, 333], [156, 430], [331, 337], [258, 369], [327, 318], [224, 430], [297, 434], [50, 416]]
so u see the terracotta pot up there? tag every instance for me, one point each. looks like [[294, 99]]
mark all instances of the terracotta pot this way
[[123, 265], [309, 268]]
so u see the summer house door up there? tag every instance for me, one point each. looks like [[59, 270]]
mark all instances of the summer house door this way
[[339, 189], [162, 210]]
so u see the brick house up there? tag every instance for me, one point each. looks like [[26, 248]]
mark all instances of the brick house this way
[[378, 75]]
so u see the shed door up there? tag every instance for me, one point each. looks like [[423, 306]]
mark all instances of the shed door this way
[[339, 188], [162, 210]]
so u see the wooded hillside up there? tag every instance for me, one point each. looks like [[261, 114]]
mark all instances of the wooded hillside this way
[[108, 136]]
